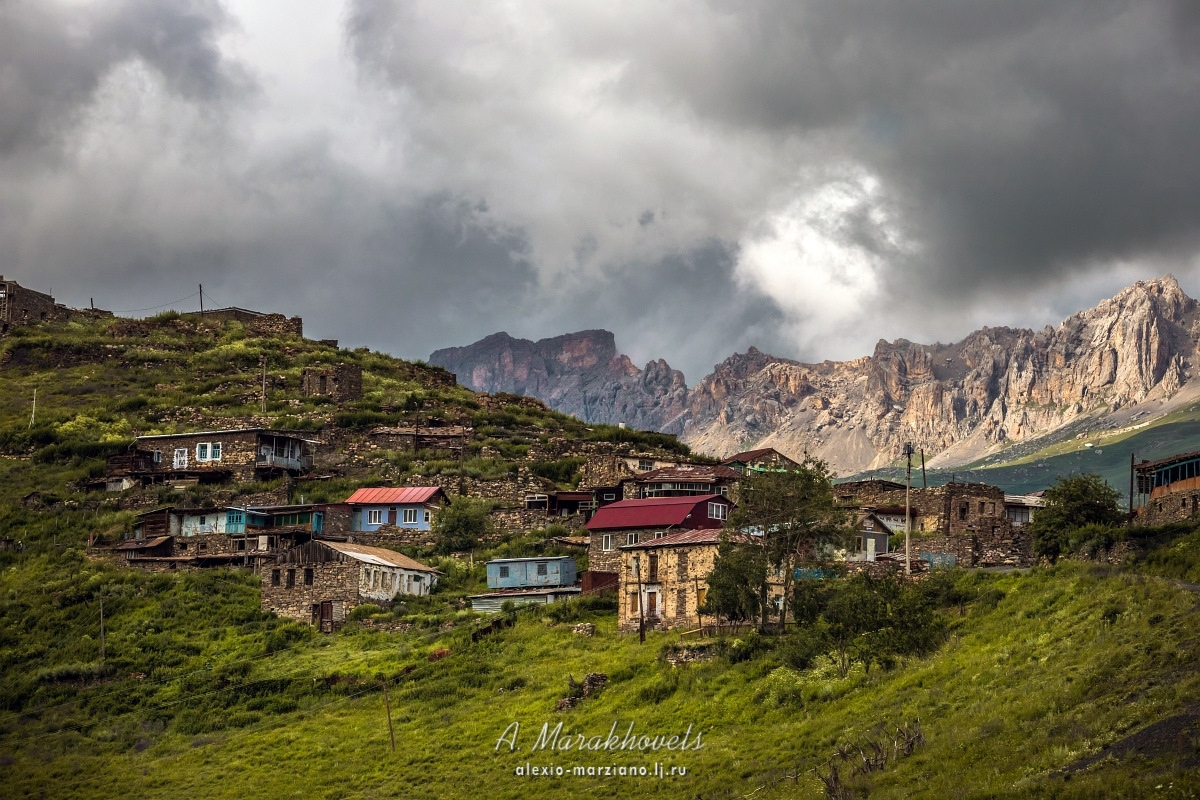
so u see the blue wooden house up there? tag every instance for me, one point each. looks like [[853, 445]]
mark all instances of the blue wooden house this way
[[410, 507], [527, 573]]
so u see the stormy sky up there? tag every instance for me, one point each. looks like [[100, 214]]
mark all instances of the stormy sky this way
[[807, 176]]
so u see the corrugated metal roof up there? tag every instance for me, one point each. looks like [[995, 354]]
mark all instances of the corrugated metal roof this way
[[650, 512], [268, 431], [141, 544], [388, 496], [1150, 466], [750, 455], [536, 558], [703, 536], [377, 555], [691, 472]]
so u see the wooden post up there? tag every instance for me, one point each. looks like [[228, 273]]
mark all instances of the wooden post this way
[[1130, 520], [388, 704], [264, 384], [33, 415], [201, 285], [101, 629], [908, 451]]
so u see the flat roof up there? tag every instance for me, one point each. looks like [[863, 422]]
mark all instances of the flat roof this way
[[543, 558]]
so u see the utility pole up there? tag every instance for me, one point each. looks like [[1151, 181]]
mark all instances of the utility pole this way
[[263, 361], [1130, 520], [908, 453], [201, 285], [637, 567], [101, 628], [924, 483], [388, 704]]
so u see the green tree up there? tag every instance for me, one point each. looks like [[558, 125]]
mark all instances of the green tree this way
[[462, 524], [789, 516], [733, 586], [1073, 502]]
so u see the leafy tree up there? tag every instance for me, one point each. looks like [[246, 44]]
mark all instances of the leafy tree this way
[[460, 525], [788, 516], [734, 585], [1073, 502]]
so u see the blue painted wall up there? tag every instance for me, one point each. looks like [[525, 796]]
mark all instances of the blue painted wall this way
[[523, 572], [362, 514]]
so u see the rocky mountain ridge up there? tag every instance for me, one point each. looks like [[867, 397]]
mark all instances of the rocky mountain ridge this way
[[956, 401]]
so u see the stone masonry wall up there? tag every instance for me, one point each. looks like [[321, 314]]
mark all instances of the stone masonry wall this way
[[342, 382], [335, 580], [1178, 506], [682, 571]]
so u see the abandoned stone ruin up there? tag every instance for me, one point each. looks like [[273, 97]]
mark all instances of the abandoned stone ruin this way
[[341, 383]]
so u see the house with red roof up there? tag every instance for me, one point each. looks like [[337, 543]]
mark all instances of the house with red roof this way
[[629, 522], [764, 459], [410, 507]]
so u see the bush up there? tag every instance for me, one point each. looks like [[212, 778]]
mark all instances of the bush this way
[[363, 611]]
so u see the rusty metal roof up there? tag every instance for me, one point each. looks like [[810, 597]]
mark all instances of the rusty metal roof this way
[[1150, 466], [399, 496], [377, 555], [749, 455], [653, 512], [703, 536], [691, 472], [142, 544]]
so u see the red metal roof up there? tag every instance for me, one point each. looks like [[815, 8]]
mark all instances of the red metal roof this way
[[749, 455], [653, 512], [406, 495]]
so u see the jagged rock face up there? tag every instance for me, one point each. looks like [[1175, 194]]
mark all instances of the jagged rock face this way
[[578, 373], [954, 401], [997, 385]]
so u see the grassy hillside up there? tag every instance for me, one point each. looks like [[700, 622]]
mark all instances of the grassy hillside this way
[[203, 695]]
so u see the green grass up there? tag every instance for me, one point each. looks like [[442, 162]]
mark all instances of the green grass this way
[[1055, 666]]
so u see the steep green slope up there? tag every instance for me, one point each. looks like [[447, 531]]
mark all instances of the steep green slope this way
[[1044, 672]]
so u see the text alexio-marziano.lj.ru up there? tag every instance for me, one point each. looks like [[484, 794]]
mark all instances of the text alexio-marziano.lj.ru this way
[[630, 741]]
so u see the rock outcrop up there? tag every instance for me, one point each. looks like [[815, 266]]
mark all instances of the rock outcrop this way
[[581, 374], [955, 401]]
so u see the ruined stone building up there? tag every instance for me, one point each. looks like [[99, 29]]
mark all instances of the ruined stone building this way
[[959, 523], [342, 383], [21, 306], [321, 582], [257, 321], [1168, 490]]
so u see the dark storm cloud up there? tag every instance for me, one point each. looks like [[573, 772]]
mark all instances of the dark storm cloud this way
[[53, 59], [697, 177]]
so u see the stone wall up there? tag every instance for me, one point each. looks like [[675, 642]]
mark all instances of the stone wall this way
[[21, 306], [682, 572], [341, 382], [601, 560], [522, 520], [260, 324], [238, 453], [1181, 505], [512, 490], [332, 581], [392, 537]]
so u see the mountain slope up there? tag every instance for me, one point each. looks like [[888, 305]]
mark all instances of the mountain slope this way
[[1131, 355]]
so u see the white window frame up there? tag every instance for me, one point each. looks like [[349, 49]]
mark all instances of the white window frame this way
[[410, 516], [631, 538], [427, 516], [202, 451], [214, 451], [606, 542], [157, 457], [181, 458], [718, 511], [374, 516]]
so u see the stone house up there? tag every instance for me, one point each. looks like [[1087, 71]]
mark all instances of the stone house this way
[[1168, 490], [765, 459], [211, 457], [631, 521], [871, 535], [21, 306], [407, 508], [959, 523], [320, 582], [682, 480], [257, 321], [666, 579], [340, 382]]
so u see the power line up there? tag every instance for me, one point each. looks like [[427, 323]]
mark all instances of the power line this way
[[151, 308]]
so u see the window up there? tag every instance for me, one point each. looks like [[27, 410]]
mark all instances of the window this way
[[157, 457], [723, 491], [962, 511], [503, 571], [183, 545], [631, 538], [274, 577], [375, 516], [181, 458], [718, 511], [659, 534], [202, 452], [634, 607], [541, 569], [203, 546], [387, 580], [308, 577], [610, 496], [241, 544], [606, 542], [701, 597], [203, 520], [410, 516], [214, 451], [653, 568], [291, 578], [427, 516], [645, 465]]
